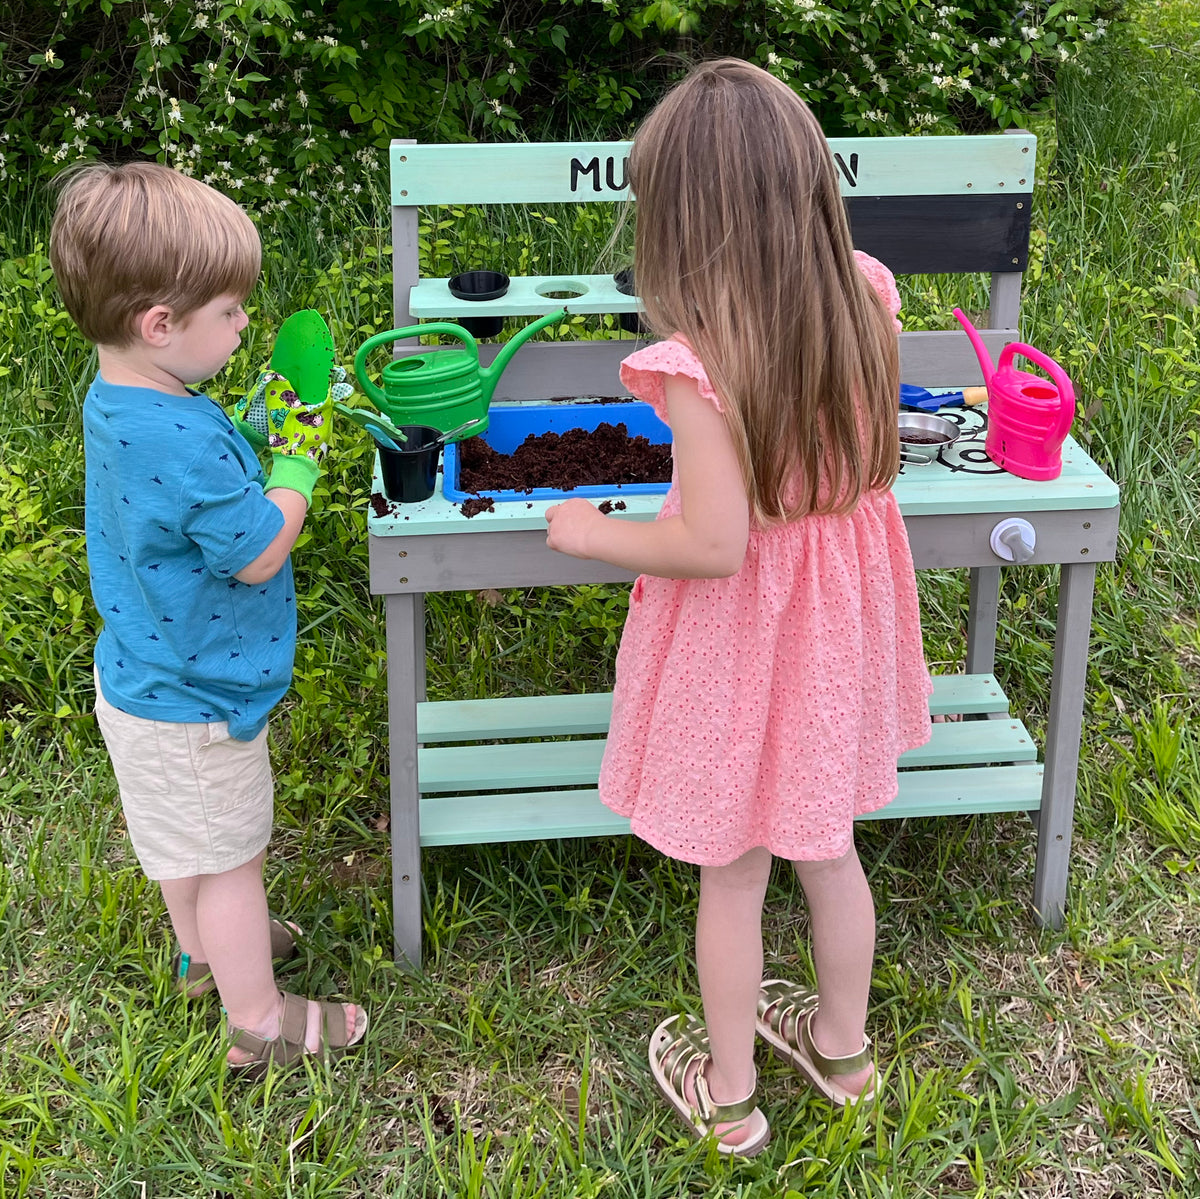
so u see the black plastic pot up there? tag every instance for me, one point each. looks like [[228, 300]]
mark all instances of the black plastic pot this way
[[410, 474], [631, 322], [480, 285]]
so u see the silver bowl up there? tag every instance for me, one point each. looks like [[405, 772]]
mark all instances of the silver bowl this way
[[938, 429]]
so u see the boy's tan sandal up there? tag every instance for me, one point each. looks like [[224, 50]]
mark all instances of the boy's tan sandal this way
[[785, 1013], [193, 978], [679, 1044], [288, 1047]]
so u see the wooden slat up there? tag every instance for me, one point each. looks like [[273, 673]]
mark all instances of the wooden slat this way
[[511, 766], [572, 172], [545, 815], [571, 715]]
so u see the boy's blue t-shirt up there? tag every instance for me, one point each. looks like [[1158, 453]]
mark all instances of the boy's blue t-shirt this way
[[174, 509]]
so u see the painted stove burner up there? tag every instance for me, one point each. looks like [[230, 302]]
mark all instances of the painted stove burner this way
[[967, 453]]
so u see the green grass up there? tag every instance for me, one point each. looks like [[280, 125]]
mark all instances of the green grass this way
[[1021, 1062]]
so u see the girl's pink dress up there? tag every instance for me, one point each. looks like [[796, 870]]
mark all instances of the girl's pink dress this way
[[769, 708]]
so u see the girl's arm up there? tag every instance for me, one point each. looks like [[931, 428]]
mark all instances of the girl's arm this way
[[707, 540]]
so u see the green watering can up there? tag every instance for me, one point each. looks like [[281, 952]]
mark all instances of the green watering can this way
[[441, 389]]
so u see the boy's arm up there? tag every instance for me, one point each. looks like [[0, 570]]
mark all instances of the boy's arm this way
[[294, 507]]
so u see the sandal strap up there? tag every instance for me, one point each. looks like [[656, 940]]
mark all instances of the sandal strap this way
[[780, 1002], [832, 1066], [691, 1047]]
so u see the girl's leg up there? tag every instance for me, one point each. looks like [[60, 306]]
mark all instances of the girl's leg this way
[[234, 929], [842, 912], [729, 961]]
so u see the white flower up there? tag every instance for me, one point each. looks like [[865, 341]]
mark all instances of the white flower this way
[[174, 115], [934, 36], [995, 43], [158, 38], [329, 41], [81, 122], [1030, 33], [50, 58], [61, 152], [126, 123], [80, 143], [511, 68], [200, 20], [773, 59], [497, 107], [302, 99]]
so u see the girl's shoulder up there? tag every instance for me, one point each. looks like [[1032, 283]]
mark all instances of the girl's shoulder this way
[[645, 371], [882, 280]]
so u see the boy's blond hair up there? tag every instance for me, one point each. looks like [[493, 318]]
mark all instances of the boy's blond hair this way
[[126, 238]]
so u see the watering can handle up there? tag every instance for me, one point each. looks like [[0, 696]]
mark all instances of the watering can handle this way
[[1066, 389], [376, 394]]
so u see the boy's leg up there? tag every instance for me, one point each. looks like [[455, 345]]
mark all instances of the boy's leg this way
[[179, 894], [729, 961], [842, 913], [234, 928]]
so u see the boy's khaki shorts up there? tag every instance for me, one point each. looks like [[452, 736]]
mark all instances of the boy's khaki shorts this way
[[196, 801]]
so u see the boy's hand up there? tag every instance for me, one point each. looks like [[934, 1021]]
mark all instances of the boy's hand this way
[[569, 526]]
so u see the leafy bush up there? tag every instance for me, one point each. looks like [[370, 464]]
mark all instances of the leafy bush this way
[[272, 101]]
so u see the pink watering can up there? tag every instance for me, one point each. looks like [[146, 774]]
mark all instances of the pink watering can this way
[[1028, 416]]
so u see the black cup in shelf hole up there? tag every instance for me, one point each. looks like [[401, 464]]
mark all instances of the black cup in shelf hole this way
[[480, 285], [631, 322]]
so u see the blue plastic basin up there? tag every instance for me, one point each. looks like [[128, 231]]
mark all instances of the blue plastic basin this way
[[508, 427]]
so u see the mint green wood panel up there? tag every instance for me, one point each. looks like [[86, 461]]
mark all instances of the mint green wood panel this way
[[577, 763], [526, 296], [567, 715], [565, 172], [547, 815]]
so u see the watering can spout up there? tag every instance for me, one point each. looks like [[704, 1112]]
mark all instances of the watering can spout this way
[[489, 375], [985, 359]]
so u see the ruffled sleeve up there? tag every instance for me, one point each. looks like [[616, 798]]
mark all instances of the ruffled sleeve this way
[[883, 281], [644, 373]]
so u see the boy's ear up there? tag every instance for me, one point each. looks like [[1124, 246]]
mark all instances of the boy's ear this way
[[156, 325]]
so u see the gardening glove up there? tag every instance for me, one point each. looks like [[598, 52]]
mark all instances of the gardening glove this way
[[271, 414]]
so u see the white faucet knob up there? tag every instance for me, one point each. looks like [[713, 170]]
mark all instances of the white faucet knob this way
[[1014, 540]]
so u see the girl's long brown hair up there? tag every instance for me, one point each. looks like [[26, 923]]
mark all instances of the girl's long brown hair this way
[[743, 246]]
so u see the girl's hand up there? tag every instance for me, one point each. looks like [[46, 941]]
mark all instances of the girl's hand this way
[[570, 526]]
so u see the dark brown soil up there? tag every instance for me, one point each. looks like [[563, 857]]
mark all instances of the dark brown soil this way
[[916, 437], [564, 461], [479, 504]]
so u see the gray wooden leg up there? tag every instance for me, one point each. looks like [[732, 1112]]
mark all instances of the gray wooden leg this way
[[982, 615], [404, 675], [1065, 728]]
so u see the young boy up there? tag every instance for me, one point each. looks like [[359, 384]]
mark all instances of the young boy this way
[[188, 552]]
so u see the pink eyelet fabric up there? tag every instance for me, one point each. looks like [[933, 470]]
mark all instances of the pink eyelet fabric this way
[[768, 708]]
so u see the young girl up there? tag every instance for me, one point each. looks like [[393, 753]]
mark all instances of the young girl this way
[[771, 671]]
